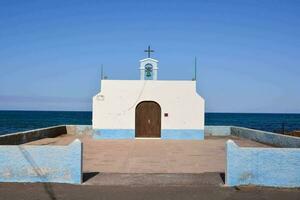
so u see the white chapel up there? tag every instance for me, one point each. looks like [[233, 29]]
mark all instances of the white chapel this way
[[148, 107]]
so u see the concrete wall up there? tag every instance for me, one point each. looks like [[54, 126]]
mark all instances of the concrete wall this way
[[267, 137], [217, 130], [79, 129], [29, 163], [114, 107], [28, 136], [277, 167]]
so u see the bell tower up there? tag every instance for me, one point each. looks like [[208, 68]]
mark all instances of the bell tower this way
[[148, 67]]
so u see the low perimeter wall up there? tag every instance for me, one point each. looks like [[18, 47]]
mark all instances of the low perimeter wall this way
[[30, 163], [258, 166], [79, 130], [265, 137], [32, 135], [217, 130], [276, 167], [273, 139]]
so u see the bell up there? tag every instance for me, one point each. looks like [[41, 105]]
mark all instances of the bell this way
[[148, 74]]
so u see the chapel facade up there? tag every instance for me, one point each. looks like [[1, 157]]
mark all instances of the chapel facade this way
[[148, 107]]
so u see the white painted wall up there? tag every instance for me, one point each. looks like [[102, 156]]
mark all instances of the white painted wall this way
[[114, 106]]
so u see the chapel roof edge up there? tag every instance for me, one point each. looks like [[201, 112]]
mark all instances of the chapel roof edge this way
[[145, 59]]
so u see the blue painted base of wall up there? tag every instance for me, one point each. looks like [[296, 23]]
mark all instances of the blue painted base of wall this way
[[114, 134], [182, 134], [169, 134], [275, 167], [41, 163]]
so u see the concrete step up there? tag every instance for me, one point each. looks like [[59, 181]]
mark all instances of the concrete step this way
[[153, 179]]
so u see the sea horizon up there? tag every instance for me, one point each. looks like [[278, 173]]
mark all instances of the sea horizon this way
[[12, 121], [221, 112]]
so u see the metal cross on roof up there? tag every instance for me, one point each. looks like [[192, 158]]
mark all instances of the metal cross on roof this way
[[149, 50]]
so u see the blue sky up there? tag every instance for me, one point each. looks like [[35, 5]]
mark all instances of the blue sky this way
[[248, 51]]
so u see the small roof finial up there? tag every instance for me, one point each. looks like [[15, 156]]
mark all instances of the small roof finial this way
[[149, 51]]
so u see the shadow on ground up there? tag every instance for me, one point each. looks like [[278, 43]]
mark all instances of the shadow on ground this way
[[88, 175], [222, 175]]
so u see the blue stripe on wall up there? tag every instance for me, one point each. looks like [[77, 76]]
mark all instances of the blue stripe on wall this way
[[170, 134], [182, 134], [114, 134]]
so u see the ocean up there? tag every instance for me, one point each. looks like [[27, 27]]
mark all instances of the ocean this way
[[15, 121]]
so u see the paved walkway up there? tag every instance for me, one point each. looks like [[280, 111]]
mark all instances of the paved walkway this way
[[146, 187], [151, 155]]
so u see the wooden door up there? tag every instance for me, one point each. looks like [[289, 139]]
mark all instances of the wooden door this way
[[147, 119]]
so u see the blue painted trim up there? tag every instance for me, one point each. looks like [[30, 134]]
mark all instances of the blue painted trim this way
[[114, 134], [276, 167], [182, 134], [174, 134], [31, 163]]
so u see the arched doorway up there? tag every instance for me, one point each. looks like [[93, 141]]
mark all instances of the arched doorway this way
[[147, 119]]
